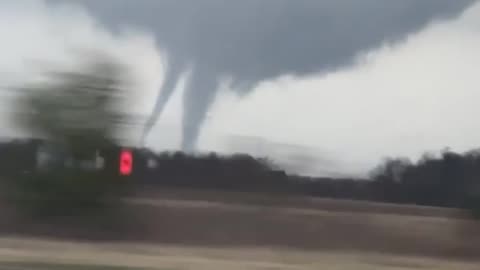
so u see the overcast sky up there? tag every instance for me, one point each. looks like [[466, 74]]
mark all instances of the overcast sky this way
[[253, 41], [354, 81]]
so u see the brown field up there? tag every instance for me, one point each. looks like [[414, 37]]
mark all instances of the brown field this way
[[219, 230], [291, 201]]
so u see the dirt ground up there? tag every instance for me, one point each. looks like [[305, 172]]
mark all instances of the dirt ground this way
[[169, 257], [211, 230], [200, 222], [292, 201]]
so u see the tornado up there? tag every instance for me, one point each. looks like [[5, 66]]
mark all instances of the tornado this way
[[198, 95], [252, 41], [172, 75]]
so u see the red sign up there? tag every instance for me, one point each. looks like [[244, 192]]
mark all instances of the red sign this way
[[126, 162]]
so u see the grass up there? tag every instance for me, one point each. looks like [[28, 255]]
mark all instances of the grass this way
[[38, 254], [58, 266]]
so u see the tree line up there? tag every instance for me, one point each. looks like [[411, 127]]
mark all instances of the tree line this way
[[447, 180]]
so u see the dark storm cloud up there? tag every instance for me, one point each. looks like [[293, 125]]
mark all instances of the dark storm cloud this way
[[254, 40]]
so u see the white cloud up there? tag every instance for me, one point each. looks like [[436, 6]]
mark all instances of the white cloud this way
[[419, 95]]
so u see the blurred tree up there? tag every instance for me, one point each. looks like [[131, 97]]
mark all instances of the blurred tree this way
[[77, 109], [78, 113]]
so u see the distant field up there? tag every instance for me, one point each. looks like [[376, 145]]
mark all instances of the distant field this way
[[238, 221], [292, 201], [196, 222]]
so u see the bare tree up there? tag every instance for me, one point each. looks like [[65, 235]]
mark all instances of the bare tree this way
[[78, 112]]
